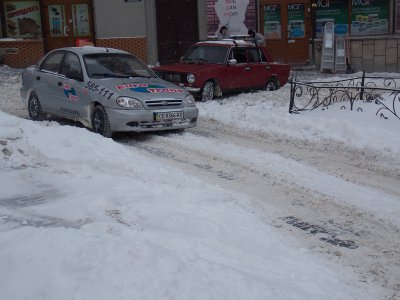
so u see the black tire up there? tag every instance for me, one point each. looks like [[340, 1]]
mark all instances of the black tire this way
[[208, 91], [100, 122], [271, 85], [35, 108]]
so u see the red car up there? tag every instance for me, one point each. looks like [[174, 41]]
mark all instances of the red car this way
[[211, 68]]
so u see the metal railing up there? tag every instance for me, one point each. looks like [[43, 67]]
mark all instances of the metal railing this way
[[382, 91]]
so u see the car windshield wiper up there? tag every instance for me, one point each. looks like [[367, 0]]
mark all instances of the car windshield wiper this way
[[107, 75], [202, 60], [137, 75], [186, 59]]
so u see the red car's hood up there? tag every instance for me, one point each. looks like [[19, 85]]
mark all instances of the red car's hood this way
[[184, 68]]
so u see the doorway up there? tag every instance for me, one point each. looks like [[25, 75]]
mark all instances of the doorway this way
[[286, 25], [177, 28], [67, 23]]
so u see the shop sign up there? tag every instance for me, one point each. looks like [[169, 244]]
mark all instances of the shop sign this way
[[272, 21], [369, 17], [22, 19], [336, 11], [10, 50], [82, 42]]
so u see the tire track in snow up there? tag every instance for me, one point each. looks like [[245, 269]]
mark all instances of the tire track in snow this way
[[337, 229]]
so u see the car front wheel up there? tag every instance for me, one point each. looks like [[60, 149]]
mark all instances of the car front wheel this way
[[100, 122], [35, 108], [208, 91], [272, 85]]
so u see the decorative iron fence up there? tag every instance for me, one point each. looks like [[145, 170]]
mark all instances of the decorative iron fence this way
[[382, 91]]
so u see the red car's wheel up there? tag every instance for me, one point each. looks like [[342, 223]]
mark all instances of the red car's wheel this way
[[271, 85], [208, 91]]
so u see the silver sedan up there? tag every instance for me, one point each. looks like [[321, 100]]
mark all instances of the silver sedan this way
[[107, 90]]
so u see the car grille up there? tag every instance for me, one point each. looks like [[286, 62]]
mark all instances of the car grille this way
[[163, 102], [171, 77]]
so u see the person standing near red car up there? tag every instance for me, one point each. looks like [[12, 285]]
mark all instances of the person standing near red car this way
[[257, 37]]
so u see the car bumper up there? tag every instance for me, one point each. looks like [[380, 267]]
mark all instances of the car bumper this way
[[192, 89], [143, 120]]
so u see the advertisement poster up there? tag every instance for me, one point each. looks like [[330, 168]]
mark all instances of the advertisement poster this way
[[272, 21], [296, 20], [238, 15], [231, 13], [336, 11], [23, 19], [80, 19], [56, 20], [369, 17]]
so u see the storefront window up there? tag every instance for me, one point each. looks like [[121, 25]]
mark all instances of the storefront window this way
[[22, 19], [80, 17], [57, 20], [336, 11], [369, 17], [272, 21], [296, 20]]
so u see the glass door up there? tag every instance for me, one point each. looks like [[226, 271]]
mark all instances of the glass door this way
[[286, 27], [67, 25]]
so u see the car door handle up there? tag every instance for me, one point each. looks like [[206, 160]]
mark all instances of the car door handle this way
[[37, 77], [247, 69], [59, 83], [268, 67]]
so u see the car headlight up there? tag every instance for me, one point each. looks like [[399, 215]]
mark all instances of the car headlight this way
[[189, 100], [129, 102], [191, 78]]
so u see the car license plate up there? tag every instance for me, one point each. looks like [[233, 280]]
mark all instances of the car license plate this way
[[169, 115]]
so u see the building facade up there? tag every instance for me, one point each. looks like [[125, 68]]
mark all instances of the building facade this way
[[159, 31]]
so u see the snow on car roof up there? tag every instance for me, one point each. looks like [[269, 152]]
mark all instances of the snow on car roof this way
[[91, 49]]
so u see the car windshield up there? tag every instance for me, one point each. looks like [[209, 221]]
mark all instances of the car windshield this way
[[205, 54], [115, 65]]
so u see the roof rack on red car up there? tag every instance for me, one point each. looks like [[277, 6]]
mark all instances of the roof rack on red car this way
[[229, 41]]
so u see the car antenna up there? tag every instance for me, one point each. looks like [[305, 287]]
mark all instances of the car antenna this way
[[234, 41], [107, 50]]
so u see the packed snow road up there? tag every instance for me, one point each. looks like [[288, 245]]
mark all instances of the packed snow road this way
[[251, 163], [339, 201]]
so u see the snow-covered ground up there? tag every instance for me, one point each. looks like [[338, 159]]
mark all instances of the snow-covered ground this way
[[85, 217]]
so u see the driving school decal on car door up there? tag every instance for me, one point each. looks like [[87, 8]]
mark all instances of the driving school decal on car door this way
[[70, 92], [145, 88]]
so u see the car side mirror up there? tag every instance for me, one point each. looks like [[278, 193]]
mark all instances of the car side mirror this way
[[74, 75], [232, 62]]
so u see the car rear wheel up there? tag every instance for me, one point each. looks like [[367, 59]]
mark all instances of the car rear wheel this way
[[208, 91], [272, 85], [35, 108], [100, 122]]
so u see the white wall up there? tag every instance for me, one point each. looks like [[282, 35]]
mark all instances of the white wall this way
[[117, 18]]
